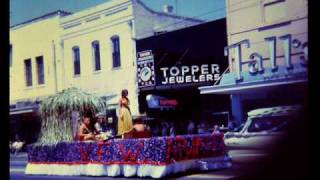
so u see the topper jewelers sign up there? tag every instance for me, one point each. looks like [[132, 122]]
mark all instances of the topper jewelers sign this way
[[190, 74]]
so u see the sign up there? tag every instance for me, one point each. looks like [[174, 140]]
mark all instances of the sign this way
[[190, 74], [158, 102], [145, 65], [168, 102], [256, 63]]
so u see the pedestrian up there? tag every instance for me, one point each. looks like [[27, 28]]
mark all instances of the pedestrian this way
[[216, 130], [201, 129], [191, 127], [172, 129], [164, 128], [17, 145], [156, 130]]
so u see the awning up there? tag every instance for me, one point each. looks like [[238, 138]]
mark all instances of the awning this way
[[252, 82], [247, 87], [112, 101], [23, 110]]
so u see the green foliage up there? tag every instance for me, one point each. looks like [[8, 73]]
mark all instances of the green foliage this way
[[56, 113]]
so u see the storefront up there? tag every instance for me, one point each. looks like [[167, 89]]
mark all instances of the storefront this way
[[25, 121], [262, 85], [171, 67]]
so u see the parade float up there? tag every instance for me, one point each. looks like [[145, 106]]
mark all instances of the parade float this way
[[57, 153]]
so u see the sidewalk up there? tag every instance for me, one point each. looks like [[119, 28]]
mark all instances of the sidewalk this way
[[19, 156]]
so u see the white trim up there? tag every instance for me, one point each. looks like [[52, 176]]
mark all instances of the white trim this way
[[231, 90], [143, 170], [98, 10], [22, 111], [102, 26], [16, 170]]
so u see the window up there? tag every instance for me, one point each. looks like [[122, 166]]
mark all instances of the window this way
[[273, 123], [96, 55], [116, 51], [28, 71], [76, 60], [40, 69], [10, 55]]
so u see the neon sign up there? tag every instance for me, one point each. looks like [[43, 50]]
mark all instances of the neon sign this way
[[168, 102]]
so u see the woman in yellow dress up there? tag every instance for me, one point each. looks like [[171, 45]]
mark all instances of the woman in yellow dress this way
[[125, 120]]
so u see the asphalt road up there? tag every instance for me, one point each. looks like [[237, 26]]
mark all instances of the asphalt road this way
[[243, 161]]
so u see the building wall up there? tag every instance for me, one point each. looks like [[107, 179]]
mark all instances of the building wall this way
[[30, 41], [148, 22], [55, 38], [258, 19]]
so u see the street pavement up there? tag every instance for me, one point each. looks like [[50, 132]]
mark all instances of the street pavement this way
[[243, 161]]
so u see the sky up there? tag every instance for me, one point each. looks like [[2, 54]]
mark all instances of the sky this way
[[23, 10]]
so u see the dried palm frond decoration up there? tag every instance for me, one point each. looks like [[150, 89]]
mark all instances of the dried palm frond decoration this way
[[56, 113]]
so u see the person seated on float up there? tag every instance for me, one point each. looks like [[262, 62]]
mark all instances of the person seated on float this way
[[140, 130], [139, 126], [101, 124], [85, 130], [103, 132]]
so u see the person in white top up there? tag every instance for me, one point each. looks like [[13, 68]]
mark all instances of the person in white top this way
[[216, 129]]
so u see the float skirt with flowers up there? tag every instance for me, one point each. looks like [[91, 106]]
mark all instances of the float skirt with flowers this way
[[155, 157]]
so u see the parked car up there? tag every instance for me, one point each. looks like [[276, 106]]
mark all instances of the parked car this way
[[264, 128]]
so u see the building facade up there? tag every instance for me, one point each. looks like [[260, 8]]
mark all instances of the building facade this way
[[93, 49], [267, 53], [171, 67]]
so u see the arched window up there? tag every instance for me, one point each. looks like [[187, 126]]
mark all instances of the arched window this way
[[76, 60], [115, 51], [96, 55]]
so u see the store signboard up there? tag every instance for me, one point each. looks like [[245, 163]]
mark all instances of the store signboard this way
[[256, 63], [156, 102], [190, 74], [168, 102], [180, 62], [145, 68]]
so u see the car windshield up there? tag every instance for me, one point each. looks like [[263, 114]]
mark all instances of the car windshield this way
[[237, 129], [273, 123]]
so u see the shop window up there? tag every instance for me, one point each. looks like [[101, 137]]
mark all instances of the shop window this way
[[40, 69], [28, 72], [96, 55], [76, 60], [115, 51]]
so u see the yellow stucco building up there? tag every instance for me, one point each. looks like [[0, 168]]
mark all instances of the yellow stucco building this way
[[93, 49]]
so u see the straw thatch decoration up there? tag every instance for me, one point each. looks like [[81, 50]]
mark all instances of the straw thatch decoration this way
[[56, 113]]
